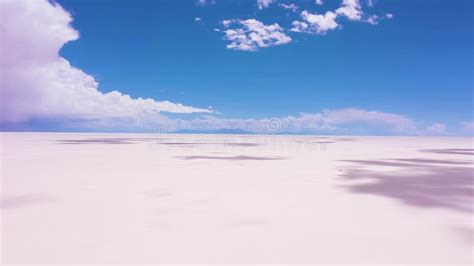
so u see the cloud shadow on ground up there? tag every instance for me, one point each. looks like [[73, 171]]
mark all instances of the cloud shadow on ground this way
[[451, 151], [416, 182], [101, 141], [19, 201], [155, 142], [231, 158]]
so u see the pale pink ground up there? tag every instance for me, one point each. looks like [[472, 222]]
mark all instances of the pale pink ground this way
[[144, 198]]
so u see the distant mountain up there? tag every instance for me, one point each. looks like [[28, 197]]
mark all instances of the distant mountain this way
[[217, 131]]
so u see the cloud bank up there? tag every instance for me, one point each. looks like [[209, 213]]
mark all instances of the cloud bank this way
[[347, 121], [326, 121], [37, 83]]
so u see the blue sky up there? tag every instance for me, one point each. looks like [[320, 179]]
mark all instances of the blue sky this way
[[418, 63]]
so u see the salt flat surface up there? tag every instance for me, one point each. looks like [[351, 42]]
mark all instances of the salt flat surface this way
[[149, 198]]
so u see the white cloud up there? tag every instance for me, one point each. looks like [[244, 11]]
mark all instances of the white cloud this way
[[264, 3], [226, 22], [436, 129], [350, 9], [318, 2], [468, 127], [292, 7], [205, 2], [37, 83], [373, 19], [322, 23], [197, 19], [395, 122], [315, 23], [326, 121], [253, 34], [335, 121], [299, 26]]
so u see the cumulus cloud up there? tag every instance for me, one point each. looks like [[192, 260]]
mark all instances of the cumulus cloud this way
[[251, 37], [373, 19], [264, 3], [350, 9], [37, 83], [292, 7], [394, 122], [315, 23], [251, 34], [226, 22], [322, 23], [436, 129], [205, 2]]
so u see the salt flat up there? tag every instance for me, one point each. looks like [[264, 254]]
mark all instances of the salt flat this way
[[158, 198]]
